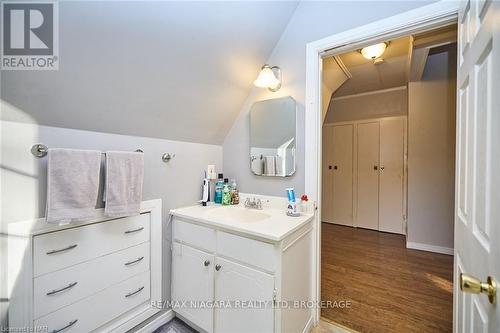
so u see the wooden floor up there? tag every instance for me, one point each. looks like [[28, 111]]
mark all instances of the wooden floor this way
[[391, 288]]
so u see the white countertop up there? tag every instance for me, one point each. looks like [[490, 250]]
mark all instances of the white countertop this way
[[274, 224]]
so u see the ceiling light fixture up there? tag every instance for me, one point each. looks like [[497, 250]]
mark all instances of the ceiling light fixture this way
[[372, 52], [269, 77]]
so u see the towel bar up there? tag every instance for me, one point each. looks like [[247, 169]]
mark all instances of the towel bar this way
[[40, 150]]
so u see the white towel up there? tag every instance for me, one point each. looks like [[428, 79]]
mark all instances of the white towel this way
[[279, 166], [123, 184], [72, 184], [269, 165]]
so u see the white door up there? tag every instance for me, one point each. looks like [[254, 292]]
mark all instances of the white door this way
[[477, 204], [327, 175], [192, 280], [235, 282], [368, 172], [342, 174], [391, 175]]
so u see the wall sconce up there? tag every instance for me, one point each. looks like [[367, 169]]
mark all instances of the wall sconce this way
[[373, 52], [269, 77]]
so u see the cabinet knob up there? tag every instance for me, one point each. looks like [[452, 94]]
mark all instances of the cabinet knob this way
[[218, 267], [206, 263]]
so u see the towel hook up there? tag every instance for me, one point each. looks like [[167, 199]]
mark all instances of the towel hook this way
[[39, 150], [166, 157]]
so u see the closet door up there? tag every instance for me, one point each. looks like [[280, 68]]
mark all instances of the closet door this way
[[368, 175], [327, 175], [342, 174], [391, 175]]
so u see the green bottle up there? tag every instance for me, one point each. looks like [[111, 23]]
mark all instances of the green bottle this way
[[226, 193]]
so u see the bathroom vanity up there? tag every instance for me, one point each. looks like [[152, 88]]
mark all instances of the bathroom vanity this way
[[242, 270], [101, 275]]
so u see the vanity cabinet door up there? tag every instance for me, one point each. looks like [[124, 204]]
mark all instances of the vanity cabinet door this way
[[238, 283], [192, 281]]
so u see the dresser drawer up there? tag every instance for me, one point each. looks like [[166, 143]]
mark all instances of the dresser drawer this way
[[96, 310], [247, 250], [193, 234], [55, 290], [60, 249]]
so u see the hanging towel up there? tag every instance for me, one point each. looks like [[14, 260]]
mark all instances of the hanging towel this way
[[279, 166], [269, 165], [123, 183], [72, 184]]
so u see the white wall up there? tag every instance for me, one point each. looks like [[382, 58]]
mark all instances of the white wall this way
[[23, 177], [431, 153], [177, 70], [311, 21], [333, 78], [385, 103]]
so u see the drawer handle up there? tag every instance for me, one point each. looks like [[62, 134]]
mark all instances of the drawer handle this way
[[56, 291], [134, 292], [63, 250], [134, 261], [135, 230], [71, 323]]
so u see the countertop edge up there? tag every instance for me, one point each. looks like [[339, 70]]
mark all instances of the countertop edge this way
[[251, 234]]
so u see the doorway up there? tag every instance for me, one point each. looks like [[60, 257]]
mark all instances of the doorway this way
[[476, 265], [385, 192]]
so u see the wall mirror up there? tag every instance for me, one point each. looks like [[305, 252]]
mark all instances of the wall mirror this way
[[273, 135]]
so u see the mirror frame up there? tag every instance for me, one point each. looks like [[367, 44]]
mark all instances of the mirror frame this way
[[296, 132]]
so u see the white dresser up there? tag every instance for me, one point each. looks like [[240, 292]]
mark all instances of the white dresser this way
[[102, 275]]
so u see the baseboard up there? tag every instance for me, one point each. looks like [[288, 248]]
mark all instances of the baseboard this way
[[429, 248], [161, 319], [309, 325]]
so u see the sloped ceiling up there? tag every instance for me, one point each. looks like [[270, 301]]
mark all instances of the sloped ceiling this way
[[369, 77], [173, 70]]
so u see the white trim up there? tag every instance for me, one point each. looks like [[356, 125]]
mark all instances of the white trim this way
[[417, 20], [367, 93], [157, 322], [309, 325], [429, 248], [366, 120], [342, 66]]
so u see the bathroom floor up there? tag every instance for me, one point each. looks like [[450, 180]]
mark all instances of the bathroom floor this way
[[392, 289], [175, 326]]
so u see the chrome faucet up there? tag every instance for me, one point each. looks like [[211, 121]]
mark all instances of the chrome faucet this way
[[253, 204]]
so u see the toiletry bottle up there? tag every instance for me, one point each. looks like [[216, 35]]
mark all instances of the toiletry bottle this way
[[219, 186], [235, 195], [226, 193]]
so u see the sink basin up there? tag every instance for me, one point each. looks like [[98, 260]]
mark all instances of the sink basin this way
[[236, 214]]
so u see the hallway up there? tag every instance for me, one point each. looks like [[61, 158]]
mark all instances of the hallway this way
[[391, 288]]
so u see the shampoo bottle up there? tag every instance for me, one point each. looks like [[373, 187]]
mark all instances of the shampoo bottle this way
[[226, 193], [219, 186], [235, 195]]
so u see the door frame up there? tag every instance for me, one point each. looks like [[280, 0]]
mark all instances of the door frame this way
[[417, 20]]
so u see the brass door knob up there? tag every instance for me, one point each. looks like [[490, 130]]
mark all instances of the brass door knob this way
[[471, 284]]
